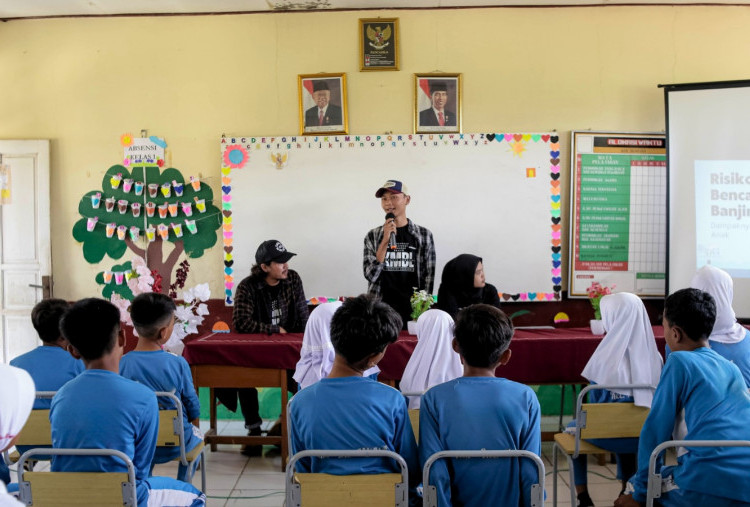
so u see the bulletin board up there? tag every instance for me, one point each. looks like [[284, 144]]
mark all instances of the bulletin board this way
[[494, 195], [618, 212]]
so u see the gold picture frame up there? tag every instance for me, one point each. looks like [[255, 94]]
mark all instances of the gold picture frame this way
[[378, 44], [326, 91], [444, 88]]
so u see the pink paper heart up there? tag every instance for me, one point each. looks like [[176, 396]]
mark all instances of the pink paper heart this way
[[555, 169], [556, 235], [226, 198], [508, 137], [229, 285], [556, 271], [227, 234], [523, 296]]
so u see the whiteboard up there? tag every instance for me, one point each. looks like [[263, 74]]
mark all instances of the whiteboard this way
[[493, 195], [618, 212]]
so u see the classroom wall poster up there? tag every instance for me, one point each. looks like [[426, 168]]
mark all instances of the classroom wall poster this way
[[618, 212]]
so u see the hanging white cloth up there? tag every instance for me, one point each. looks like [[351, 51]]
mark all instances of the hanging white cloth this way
[[317, 354], [719, 284], [433, 361], [627, 354], [16, 399]]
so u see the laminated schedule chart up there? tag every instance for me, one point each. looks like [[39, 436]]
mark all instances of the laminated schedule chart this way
[[618, 212]]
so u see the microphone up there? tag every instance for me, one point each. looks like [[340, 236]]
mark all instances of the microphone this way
[[392, 239]]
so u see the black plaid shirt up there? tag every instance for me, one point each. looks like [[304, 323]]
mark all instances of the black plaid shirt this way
[[253, 306]]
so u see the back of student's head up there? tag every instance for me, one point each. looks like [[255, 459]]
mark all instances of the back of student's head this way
[[91, 325], [150, 312], [693, 310], [45, 317], [363, 326], [483, 333]]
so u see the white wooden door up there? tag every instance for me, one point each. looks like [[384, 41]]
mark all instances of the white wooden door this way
[[25, 256]]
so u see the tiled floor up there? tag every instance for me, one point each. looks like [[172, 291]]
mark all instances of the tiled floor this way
[[235, 480]]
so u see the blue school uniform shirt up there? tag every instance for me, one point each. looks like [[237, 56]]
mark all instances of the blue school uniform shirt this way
[[163, 371], [473, 413], [738, 353], [100, 409], [352, 413], [716, 402], [50, 368]]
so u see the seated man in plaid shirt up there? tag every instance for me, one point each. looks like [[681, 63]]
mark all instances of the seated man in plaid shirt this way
[[270, 300]]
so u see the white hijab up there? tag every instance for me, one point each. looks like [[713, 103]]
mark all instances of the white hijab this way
[[433, 361], [719, 284], [317, 354], [16, 399], [627, 354]]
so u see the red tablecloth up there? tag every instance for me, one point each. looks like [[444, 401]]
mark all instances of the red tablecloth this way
[[539, 356]]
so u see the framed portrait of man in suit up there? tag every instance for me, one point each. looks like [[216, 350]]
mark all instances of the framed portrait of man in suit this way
[[322, 104], [437, 103]]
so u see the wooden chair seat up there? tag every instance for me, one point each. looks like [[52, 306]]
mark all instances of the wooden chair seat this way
[[72, 489], [325, 490]]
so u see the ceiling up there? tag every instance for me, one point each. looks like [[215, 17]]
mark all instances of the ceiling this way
[[53, 8]]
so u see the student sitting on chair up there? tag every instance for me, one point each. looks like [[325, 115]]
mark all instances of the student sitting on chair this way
[[711, 393], [349, 411], [16, 400], [153, 319], [728, 337], [480, 411], [102, 410], [463, 284], [317, 354], [626, 355], [433, 361], [50, 364]]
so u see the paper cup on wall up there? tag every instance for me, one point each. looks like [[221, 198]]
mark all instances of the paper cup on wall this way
[[178, 188], [122, 231], [127, 184], [136, 209], [163, 208], [166, 190], [173, 207], [91, 223], [187, 208], [190, 224], [96, 200], [135, 233], [138, 187], [119, 277], [150, 209], [107, 276], [200, 204], [111, 227], [109, 204], [163, 231], [153, 189], [177, 228], [196, 182], [122, 206], [115, 180], [150, 234]]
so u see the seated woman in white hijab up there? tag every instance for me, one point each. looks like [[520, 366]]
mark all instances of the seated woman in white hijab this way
[[728, 338], [16, 399], [433, 361], [317, 354], [626, 355]]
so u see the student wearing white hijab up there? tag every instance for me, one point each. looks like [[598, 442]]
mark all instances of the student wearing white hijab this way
[[626, 355], [317, 354], [16, 399], [728, 338], [433, 361]]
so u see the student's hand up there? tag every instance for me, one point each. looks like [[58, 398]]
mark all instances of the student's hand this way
[[282, 330], [627, 501], [388, 228]]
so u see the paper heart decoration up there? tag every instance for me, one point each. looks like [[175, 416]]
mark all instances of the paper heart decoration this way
[[491, 137]]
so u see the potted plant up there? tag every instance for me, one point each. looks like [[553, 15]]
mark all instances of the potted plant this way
[[596, 291], [420, 303]]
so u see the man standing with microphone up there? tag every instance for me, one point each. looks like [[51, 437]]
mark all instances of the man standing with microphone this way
[[399, 256]]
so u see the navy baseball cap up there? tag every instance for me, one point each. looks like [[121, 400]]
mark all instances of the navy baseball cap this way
[[392, 186], [272, 250]]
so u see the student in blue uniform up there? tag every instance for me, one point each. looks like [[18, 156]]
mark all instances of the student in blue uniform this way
[[710, 392], [626, 355], [50, 364], [100, 409], [481, 411], [349, 411], [153, 319], [728, 338]]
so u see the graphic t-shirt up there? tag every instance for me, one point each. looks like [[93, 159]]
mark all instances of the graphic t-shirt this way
[[400, 273], [273, 291]]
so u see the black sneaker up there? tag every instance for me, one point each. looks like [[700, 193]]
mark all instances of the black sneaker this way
[[584, 500], [252, 451]]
